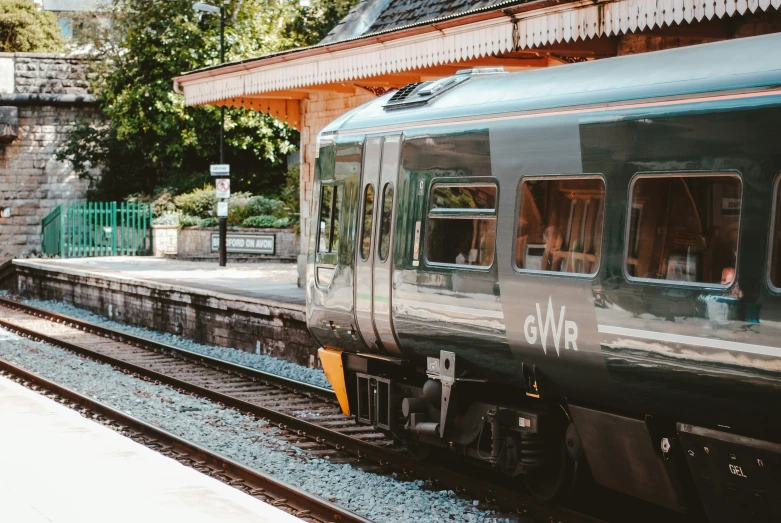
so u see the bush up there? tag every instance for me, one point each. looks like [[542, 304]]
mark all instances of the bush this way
[[162, 201], [210, 222], [167, 218], [238, 208], [265, 220], [190, 221], [200, 203], [262, 206]]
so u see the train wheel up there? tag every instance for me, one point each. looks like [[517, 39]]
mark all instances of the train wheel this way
[[557, 479]]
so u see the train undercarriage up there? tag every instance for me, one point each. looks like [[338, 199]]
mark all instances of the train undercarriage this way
[[551, 444]]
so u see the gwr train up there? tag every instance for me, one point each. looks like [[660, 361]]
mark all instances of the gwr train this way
[[565, 270]]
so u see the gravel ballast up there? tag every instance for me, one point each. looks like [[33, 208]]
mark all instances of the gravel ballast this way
[[241, 438], [254, 361]]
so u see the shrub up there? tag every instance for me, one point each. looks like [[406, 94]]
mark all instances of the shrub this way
[[238, 207], [210, 222], [199, 203], [264, 220], [262, 206], [167, 218], [190, 221]]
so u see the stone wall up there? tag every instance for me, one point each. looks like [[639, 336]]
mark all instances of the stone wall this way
[[194, 243], [252, 325], [32, 182]]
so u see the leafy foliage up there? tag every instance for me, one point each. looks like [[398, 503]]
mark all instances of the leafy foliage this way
[[260, 205], [311, 24], [199, 202], [265, 220], [150, 140], [25, 28]]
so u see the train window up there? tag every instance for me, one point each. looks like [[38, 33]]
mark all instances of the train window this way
[[461, 225], [463, 197], [330, 203], [684, 228], [385, 221], [775, 246], [368, 216], [560, 225]]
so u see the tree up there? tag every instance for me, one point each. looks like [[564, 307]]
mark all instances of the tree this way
[[25, 28], [312, 23], [150, 139]]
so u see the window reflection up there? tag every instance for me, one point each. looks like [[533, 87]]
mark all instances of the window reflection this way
[[368, 217], [461, 227], [560, 225], [463, 197], [684, 228], [385, 221], [330, 204]]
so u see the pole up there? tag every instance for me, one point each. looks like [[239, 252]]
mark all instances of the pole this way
[[223, 220]]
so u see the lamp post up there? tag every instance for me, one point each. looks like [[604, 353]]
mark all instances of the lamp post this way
[[208, 8]]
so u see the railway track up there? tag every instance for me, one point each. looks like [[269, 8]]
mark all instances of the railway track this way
[[309, 415], [282, 495]]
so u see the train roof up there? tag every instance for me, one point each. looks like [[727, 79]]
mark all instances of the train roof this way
[[747, 63]]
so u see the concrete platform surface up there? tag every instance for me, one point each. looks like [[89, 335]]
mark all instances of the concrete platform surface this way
[[263, 281], [58, 467]]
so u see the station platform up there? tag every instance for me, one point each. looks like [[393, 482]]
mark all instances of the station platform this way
[[59, 467], [267, 281], [254, 307]]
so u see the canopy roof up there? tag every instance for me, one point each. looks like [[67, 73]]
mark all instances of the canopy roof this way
[[509, 33]]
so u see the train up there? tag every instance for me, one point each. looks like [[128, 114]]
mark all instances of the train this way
[[566, 271]]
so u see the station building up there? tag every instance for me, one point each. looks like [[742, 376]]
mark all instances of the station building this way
[[382, 45]]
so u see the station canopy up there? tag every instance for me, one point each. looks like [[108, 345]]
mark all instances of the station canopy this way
[[385, 44]]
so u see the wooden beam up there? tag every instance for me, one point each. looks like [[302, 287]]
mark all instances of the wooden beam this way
[[286, 110]]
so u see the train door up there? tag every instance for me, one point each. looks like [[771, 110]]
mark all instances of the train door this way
[[373, 263]]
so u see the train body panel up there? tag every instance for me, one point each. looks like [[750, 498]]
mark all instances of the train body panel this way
[[597, 238]]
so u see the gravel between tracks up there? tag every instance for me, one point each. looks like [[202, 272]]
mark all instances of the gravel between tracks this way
[[241, 438], [254, 361]]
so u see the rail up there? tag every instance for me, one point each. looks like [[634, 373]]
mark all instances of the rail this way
[[332, 430], [299, 501]]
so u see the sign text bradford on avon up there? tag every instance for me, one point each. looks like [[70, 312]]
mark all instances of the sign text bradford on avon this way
[[246, 243]]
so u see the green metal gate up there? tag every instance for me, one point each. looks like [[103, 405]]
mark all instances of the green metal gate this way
[[76, 230]]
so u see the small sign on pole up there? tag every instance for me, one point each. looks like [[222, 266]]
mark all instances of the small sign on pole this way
[[222, 209], [220, 169], [223, 187]]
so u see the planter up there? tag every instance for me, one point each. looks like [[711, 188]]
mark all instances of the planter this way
[[165, 240], [199, 243]]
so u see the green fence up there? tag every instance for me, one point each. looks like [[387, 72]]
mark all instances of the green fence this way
[[75, 230]]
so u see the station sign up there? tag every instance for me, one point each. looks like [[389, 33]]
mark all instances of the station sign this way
[[247, 243], [220, 169], [223, 186]]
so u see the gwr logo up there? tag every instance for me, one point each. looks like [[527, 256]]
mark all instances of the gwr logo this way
[[534, 326]]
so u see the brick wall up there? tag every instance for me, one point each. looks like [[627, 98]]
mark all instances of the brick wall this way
[[32, 182]]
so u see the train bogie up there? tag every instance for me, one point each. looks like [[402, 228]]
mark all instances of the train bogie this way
[[537, 275]]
